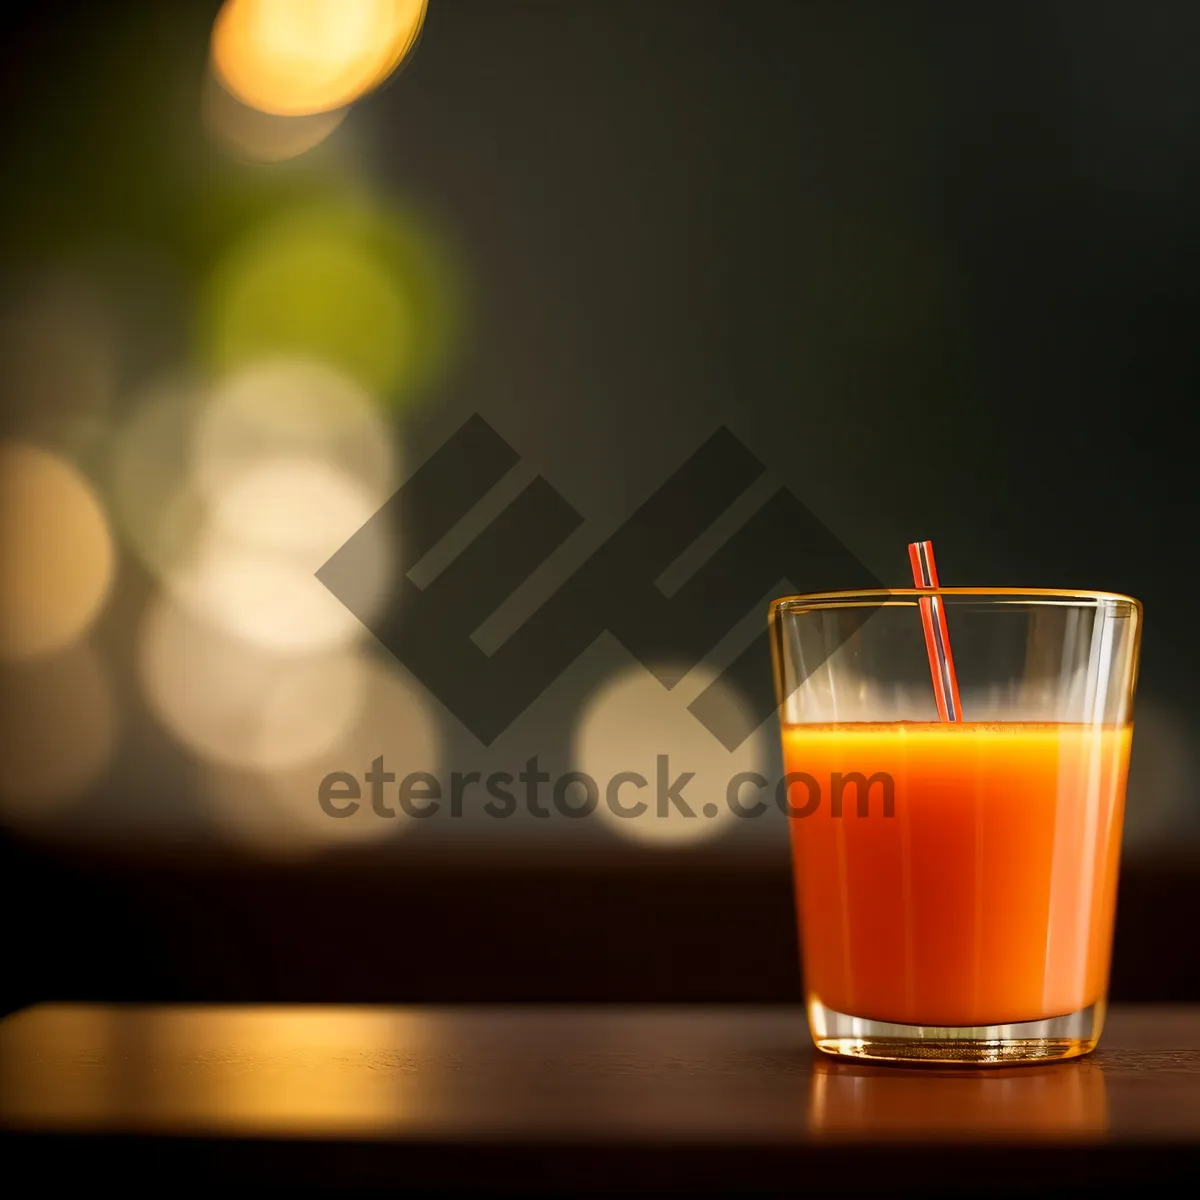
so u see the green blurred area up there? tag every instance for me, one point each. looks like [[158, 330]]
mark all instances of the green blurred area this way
[[346, 281], [110, 164]]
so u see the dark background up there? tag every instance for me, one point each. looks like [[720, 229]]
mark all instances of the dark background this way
[[937, 265]]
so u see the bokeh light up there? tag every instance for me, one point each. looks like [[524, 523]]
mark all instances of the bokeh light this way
[[188, 452], [367, 292], [252, 571], [298, 408], [239, 705], [632, 721], [250, 135], [296, 57], [157, 511], [56, 552], [276, 813], [291, 504], [58, 732]]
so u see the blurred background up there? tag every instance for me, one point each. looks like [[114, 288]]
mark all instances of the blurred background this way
[[937, 266]]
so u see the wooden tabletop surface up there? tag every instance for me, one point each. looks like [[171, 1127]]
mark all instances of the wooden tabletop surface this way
[[569, 1094]]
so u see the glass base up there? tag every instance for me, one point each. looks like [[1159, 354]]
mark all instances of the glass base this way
[[967, 1045]]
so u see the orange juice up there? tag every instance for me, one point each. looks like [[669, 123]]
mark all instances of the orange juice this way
[[987, 896]]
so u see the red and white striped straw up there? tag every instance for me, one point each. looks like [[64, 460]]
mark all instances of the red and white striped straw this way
[[937, 637]]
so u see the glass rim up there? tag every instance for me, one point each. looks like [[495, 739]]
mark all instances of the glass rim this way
[[878, 597]]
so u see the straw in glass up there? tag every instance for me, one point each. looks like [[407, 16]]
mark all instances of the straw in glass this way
[[937, 637]]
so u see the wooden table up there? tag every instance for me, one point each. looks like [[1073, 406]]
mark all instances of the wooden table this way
[[358, 1096]]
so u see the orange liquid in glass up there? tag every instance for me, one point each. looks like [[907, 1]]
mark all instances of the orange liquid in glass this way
[[987, 897]]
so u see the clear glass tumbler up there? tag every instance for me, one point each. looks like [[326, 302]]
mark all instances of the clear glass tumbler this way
[[956, 880]]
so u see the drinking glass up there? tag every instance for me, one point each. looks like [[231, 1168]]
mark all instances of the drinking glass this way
[[956, 881]]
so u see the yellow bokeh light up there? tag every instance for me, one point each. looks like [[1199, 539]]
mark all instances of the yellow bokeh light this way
[[292, 505], [293, 407], [252, 571], [237, 705], [184, 445], [633, 721], [251, 135], [366, 291], [276, 813], [56, 552], [57, 733], [298, 57]]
